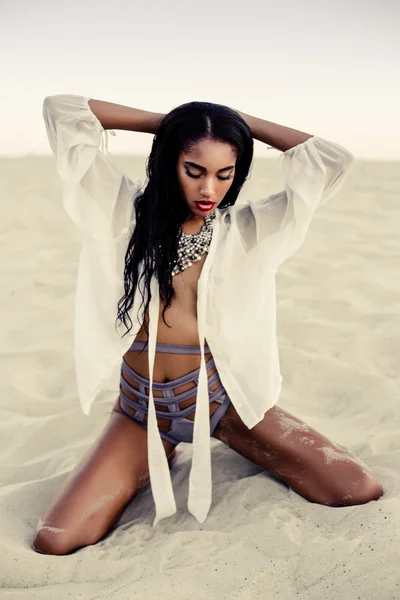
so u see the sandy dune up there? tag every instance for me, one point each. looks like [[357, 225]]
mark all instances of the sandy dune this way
[[339, 338]]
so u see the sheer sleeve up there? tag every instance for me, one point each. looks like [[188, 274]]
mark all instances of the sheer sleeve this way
[[97, 196], [314, 171]]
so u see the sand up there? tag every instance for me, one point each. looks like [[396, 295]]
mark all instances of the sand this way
[[339, 339]]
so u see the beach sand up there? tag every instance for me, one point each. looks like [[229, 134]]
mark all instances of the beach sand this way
[[339, 338]]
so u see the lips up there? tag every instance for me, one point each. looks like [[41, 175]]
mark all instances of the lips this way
[[205, 202]]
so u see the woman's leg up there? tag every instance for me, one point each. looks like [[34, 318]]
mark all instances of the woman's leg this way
[[313, 466], [98, 489]]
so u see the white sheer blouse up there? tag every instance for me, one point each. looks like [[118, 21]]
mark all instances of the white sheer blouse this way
[[236, 303]]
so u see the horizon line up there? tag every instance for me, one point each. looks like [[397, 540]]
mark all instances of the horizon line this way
[[145, 156]]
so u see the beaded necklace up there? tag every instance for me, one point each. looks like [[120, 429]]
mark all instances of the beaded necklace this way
[[193, 245]]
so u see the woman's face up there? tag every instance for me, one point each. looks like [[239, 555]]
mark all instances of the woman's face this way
[[206, 172]]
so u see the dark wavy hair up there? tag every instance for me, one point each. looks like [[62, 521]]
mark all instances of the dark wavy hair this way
[[161, 208]]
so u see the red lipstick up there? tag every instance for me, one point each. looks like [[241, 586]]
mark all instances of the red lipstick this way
[[205, 206]]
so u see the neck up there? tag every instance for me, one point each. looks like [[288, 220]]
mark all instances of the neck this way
[[194, 220]]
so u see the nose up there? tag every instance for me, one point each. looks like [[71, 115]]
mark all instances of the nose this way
[[207, 189]]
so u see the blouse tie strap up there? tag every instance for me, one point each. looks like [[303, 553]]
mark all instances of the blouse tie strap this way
[[160, 477]]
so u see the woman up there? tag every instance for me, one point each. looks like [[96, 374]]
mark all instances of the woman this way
[[212, 263]]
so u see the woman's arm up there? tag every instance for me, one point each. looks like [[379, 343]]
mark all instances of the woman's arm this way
[[117, 116], [314, 169], [278, 136]]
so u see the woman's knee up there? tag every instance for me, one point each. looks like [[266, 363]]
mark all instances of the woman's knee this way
[[362, 491], [59, 542], [365, 491], [47, 542]]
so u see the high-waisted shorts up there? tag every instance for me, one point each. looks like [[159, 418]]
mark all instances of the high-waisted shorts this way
[[181, 429]]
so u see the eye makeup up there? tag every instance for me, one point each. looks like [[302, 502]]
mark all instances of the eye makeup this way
[[197, 176]]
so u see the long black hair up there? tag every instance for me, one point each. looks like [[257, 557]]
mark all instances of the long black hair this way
[[161, 209]]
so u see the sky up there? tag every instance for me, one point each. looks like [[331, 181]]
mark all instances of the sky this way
[[327, 68]]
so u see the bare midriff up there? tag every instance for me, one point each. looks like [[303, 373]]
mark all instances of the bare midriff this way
[[181, 317]]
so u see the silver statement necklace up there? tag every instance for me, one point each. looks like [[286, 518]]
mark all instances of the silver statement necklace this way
[[193, 245]]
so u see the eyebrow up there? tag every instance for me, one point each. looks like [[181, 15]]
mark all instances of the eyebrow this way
[[192, 164]]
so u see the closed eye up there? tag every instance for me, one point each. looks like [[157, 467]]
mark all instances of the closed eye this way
[[218, 176]]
